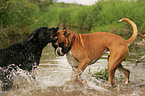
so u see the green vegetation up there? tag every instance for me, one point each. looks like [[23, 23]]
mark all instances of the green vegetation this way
[[18, 18], [101, 75]]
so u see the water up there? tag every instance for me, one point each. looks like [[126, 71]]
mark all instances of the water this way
[[53, 75]]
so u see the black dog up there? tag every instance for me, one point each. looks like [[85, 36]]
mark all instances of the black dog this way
[[25, 55]]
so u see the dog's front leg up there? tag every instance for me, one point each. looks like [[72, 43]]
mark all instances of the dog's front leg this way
[[82, 66]]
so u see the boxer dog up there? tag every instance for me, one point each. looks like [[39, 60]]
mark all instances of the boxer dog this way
[[85, 49]]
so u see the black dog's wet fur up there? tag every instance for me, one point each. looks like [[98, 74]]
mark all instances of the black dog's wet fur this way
[[26, 54]]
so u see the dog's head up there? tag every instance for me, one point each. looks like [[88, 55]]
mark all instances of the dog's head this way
[[64, 41], [42, 36]]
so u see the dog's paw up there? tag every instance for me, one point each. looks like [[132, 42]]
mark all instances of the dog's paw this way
[[126, 81], [84, 82], [77, 82]]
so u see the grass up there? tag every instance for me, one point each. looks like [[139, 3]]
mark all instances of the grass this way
[[102, 74]]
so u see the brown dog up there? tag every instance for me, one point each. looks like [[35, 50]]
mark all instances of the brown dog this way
[[85, 49]]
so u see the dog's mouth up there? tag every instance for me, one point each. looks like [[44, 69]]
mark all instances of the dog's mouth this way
[[58, 52], [60, 49]]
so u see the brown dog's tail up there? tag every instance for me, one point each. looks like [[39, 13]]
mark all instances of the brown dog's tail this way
[[134, 27]]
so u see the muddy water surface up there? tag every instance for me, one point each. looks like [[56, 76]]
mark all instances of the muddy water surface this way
[[53, 75]]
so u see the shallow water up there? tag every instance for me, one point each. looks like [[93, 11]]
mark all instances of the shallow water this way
[[53, 75]]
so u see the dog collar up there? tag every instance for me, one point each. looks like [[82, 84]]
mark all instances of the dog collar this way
[[72, 42]]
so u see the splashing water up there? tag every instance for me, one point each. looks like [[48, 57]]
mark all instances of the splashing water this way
[[54, 73], [10, 74]]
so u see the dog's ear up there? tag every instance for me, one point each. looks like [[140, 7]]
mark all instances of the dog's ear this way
[[64, 29], [30, 37], [67, 34]]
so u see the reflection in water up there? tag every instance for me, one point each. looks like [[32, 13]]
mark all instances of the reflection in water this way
[[53, 75]]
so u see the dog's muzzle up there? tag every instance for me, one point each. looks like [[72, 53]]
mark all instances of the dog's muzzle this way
[[60, 49]]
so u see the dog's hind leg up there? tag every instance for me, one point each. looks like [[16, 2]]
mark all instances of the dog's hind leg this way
[[114, 62], [111, 73], [125, 71]]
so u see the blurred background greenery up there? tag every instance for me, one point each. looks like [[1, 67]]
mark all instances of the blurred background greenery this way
[[18, 18]]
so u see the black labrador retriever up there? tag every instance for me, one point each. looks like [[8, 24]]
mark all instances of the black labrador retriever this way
[[24, 55]]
